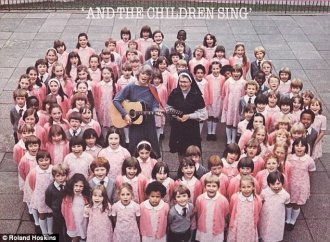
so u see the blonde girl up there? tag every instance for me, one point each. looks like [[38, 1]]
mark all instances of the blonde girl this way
[[57, 144], [239, 57], [98, 212], [260, 133], [51, 58], [253, 151], [58, 72], [319, 124], [125, 216]]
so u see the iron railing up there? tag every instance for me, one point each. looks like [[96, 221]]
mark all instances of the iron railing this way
[[282, 6]]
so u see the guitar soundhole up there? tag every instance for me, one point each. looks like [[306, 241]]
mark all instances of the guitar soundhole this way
[[133, 115]]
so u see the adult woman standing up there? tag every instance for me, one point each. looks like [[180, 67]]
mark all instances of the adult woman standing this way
[[140, 91], [186, 98]]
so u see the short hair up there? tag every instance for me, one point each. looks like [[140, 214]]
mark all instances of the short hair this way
[[131, 162], [236, 67], [272, 76], [156, 186], [145, 69], [19, 92], [76, 140], [250, 107], [181, 189], [261, 99], [297, 83], [317, 100], [78, 96], [43, 154], [32, 139], [39, 62], [286, 101], [193, 150], [283, 119], [199, 67], [186, 161], [157, 32], [245, 162], [56, 129], [157, 167], [125, 30], [300, 98], [297, 128], [25, 128], [308, 93], [259, 49], [211, 179], [267, 62], [308, 111], [301, 140], [59, 43], [60, 169], [275, 176], [145, 28], [182, 62], [285, 70], [110, 41], [76, 116], [179, 42], [232, 148], [200, 47], [253, 142], [126, 67], [252, 83], [282, 132], [127, 186], [31, 111], [100, 162], [154, 47], [248, 178], [214, 160]]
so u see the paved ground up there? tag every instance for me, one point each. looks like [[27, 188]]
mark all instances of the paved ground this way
[[299, 42]]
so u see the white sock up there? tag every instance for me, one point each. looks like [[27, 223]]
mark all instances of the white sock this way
[[43, 226], [158, 133], [209, 127], [295, 214], [228, 134], [201, 124], [288, 214], [233, 135], [126, 132], [50, 225], [214, 127], [29, 208], [35, 216]]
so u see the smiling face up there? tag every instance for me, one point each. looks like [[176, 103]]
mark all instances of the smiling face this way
[[114, 141], [246, 188], [182, 199], [131, 172], [106, 74], [251, 151], [54, 87], [44, 163], [276, 187], [251, 90], [184, 83], [57, 138], [211, 189], [77, 149], [315, 107], [244, 171], [271, 165], [83, 41], [144, 154], [143, 79], [261, 135], [97, 197], [86, 116], [100, 172], [257, 122], [216, 170], [273, 83], [78, 187], [300, 149], [58, 71], [33, 75], [188, 172], [56, 114], [280, 153], [82, 75], [231, 157], [306, 120], [51, 56], [236, 75], [267, 69], [33, 149], [240, 51]]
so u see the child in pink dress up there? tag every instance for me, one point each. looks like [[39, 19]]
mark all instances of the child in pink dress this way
[[215, 166], [239, 57], [302, 165], [187, 176], [131, 173], [285, 80], [87, 119], [92, 142], [51, 58], [125, 216], [57, 144], [38, 89], [114, 152], [56, 118], [199, 58], [104, 93], [145, 41], [55, 89], [78, 160], [145, 156], [220, 56], [234, 89], [297, 105], [260, 133], [83, 49], [212, 209], [244, 209], [157, 81], [154, 211], [58, 72], [94, 68], [98, 213], [210, 45], [231, 156], [319, 124], [160, 173], [271, 165], [245, 167], [167, 77], [122, 45], [75, 198], [215, 89], [72, 64], [272, 215], [62, 55], [19, 149], [252, 151], [37, 182]]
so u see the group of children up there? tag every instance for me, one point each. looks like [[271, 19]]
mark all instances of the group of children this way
[[81, 182]]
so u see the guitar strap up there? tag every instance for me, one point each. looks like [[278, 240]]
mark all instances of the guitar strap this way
[[155, 94]]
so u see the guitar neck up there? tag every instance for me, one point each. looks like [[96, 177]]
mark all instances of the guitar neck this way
[[145, 112]]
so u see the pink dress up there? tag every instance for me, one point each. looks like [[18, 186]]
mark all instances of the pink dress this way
[[163, 95], [168, 80], [121, 47], [143, 45], [39, 92], [224, 182], [122, 82], [138, 184], [68, 86], [63, 58], [244, 213], [116, 158], [147, 167], [95, 75], [43, 117], [99, 227], [27, 163], [209, 52], [285, 87], [194, 186], [58, 151], [233, 91], [41, 180], [103, 100], [78, 206], [234, 184], [169, 183], [64, 124], [93, 124], [229, 169], [93, 151], [244, 139], [299, 178], [194, 62], [215, 86], [73, 73], [126, 229], [319, 124], [78, 164], [272, 215], [18, 151], [84, 54]]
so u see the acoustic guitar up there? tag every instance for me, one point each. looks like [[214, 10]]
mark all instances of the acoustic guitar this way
[[136, 110]]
